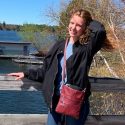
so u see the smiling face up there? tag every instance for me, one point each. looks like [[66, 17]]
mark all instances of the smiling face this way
[[76, 27]]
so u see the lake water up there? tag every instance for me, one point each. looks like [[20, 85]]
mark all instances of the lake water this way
[[26, 102], [20, 102]]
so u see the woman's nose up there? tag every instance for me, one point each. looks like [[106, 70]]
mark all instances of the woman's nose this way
[[74, 26]]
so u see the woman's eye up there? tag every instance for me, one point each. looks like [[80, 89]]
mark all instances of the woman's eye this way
[[79, 26], [71, 22]]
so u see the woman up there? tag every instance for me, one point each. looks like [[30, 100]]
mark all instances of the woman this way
[[86, 37]]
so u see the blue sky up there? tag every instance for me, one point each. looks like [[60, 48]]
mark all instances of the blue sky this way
[[26, 11]]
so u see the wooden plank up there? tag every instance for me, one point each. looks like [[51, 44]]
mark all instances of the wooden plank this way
[[106, 120], [20, 57], [9, 83], [23, 119], [28, 61], [40, 119], [98, 84], [107, 84]]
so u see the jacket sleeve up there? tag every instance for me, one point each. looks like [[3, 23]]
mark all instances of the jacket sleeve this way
[[39, 73], [97, 36], [36, 74]]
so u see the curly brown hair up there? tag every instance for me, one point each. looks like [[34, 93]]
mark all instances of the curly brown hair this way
[[87, 17], [108, 45]]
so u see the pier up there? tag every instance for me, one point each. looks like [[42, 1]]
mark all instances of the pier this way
[[107, 102], [24, 59], [19, 57], [28, 61]]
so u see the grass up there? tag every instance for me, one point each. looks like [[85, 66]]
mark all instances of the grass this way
[[107, 103]]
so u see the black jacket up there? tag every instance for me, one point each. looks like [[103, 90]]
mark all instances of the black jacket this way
[[77, 65]]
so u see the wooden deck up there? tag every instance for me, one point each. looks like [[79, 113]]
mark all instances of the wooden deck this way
[[107, 102], [28, 61], [9, 83], [106, 120], [40, 119], [19, 57], [23, 119]]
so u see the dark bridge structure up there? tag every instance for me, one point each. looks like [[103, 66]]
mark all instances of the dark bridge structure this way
[[107, 102]]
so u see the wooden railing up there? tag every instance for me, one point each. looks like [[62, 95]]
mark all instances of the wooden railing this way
[[107, 102], [9, 83]]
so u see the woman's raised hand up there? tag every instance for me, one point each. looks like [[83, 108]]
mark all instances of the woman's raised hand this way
[[18, 75]]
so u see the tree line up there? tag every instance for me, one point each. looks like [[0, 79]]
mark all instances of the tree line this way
[[40, 35], [27, 27]]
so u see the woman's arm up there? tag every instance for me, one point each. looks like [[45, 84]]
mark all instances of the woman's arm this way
[[97, 36], [18, 75], [39, 73]]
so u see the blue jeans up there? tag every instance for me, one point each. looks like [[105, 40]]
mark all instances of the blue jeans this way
[[55, 118]]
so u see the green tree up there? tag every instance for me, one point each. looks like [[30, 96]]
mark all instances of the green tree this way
[[112, 16]]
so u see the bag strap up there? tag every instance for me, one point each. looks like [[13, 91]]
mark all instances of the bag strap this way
[[64, 64]]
